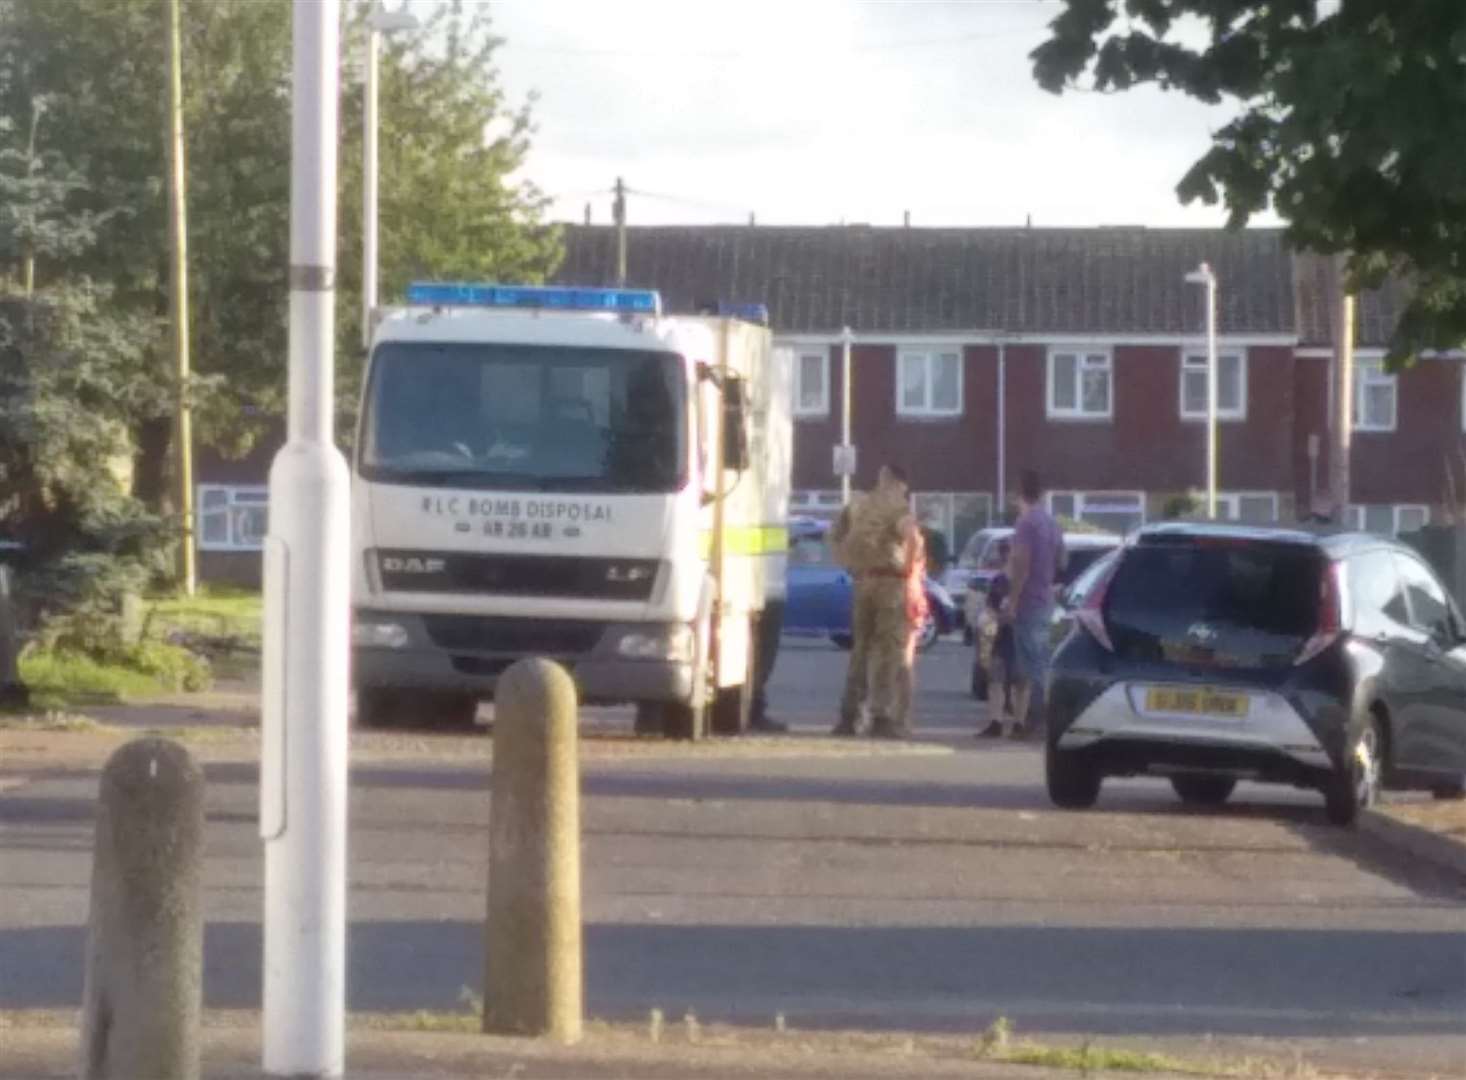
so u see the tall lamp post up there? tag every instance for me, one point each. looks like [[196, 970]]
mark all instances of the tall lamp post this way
[[379, 22], [1203, 275]]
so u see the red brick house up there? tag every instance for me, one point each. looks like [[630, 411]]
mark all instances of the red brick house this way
[[1084, 347], [1079, 352]]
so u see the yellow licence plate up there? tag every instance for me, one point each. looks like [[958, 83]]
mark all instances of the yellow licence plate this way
[[1200, 702]]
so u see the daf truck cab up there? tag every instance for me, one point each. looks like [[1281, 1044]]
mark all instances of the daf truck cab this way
[[570, 474]]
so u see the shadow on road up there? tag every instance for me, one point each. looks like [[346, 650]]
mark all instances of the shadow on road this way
[[1299, 983]]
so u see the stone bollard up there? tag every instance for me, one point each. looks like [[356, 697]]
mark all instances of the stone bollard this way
[[143, 1000], [13, 692], [532, 966]]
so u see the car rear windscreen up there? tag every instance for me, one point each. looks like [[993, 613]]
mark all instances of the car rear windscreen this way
[[1219, 602]]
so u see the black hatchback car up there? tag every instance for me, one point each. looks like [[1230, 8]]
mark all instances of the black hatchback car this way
[[1216, 653]]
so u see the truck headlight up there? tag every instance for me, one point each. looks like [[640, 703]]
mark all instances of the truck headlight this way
[[379, 635], [672, 643]]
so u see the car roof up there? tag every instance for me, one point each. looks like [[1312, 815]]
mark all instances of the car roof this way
[[1092, 540], [1335, 542]]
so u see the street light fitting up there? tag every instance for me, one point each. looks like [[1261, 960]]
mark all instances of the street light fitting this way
[[386, 22], [1202, 275]]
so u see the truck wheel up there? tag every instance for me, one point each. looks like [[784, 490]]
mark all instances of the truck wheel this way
[[672, 720], [730, 712], [379, 707], [448, 711]]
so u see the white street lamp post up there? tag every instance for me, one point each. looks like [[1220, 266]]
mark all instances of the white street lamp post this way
[[379, 22], [303, 736], [1203, 275]]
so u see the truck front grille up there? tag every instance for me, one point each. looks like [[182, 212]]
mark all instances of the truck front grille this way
[[511, 636], [516, 575]]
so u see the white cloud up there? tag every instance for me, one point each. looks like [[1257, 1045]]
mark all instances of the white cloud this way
[[815, 111]]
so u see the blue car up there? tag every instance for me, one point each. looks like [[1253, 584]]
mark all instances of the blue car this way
[[820, 591]]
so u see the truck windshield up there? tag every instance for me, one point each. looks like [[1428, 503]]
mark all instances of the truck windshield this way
[[532, 417]]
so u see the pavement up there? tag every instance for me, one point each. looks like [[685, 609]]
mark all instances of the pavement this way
[[907, 892]]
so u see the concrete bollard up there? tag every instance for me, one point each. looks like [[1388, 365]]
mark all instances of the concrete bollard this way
[[532, 966], [143, 1000]]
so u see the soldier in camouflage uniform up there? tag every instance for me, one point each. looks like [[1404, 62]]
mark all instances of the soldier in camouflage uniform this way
[[873, 539]]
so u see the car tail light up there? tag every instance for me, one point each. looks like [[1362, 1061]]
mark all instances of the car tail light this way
[[1091, 613], [1330, 614]]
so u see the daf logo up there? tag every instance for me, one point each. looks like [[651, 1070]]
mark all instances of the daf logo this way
[[627, 573], [412, 564], [1201, 633]]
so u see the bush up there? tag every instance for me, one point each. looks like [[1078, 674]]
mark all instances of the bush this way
[[174, 667]]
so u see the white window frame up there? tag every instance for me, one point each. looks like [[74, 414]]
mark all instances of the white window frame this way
[[823, 408], [258, 495], [1370, 372], [1081, 357], [1232, 500], [928, 355], [822, 502], [1081, 497], [1397, 511], [1191, 361]]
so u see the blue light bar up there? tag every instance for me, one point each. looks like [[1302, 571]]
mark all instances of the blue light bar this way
[[551, 297], [754, 313]]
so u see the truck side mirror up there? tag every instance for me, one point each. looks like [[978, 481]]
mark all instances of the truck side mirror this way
[[735, 423]]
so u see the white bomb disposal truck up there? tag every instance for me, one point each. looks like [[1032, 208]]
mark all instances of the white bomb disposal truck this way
[[566, 473]]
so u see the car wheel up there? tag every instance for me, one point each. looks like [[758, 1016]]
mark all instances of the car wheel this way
[[728, 716], [1354, 786], [842, 641], [449, 712], [1204, 790], [1073, 784], [928, 635], [1450, 789]]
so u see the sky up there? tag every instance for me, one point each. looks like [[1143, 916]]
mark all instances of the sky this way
[[812, 112]]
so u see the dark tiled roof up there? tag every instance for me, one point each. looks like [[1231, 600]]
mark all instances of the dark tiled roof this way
[[1059, 281], [1375, 312]]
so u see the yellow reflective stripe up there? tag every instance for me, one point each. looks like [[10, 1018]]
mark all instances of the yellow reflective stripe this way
[[748, 540]]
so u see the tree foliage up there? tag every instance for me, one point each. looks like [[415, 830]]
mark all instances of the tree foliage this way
[[450, 147], [1351, 125]]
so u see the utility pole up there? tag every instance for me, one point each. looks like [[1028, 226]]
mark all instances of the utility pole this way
[[1204, 275], [303, 735], [846, 340], [38, 106], [618, 215], [178, 307], [1340, 480]]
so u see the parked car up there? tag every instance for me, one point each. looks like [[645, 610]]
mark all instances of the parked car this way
[[1083, 551], [1214, 653], [820, 592]]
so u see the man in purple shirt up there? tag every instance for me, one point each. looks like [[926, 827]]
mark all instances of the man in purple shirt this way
[[1034, 565]]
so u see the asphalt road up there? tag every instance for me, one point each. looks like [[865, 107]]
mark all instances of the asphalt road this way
[[931, 891]]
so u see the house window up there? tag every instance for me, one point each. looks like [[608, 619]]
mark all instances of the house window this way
[[955, 515], [820, 504], [1231, 386], [1114, 511], [1249, 507], [1374, 397], [1384, 519], [812, 383], [1080, 385], [232, 518], [929, 382]]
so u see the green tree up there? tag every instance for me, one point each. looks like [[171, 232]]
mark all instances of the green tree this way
[[1351, 125], [450, 146]]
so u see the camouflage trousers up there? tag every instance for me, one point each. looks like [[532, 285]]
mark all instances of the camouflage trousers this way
[[879, 676]]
